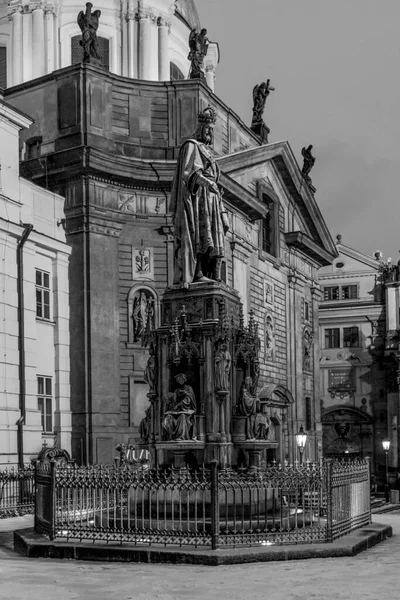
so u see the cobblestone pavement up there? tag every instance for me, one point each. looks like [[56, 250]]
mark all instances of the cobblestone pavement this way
[[367, 576]]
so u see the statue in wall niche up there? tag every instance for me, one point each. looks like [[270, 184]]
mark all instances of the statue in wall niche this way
[[260, 95], [198, 45], [179, 421], [144, 426], [222, 372], [199, 217], [88, 22], [308, 163], [307, 350], [269, 338], [142, 315]]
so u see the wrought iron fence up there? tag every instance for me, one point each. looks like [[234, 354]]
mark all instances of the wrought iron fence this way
[[17, 492], [315, 502]]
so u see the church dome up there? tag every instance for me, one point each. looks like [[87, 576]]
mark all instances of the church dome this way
[[187, 10]]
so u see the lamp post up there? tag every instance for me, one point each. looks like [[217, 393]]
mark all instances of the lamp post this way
[[301, 439], [386, 447]]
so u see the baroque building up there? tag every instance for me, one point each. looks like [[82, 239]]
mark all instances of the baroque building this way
[[136, 39], [354, 387], [108, 141], [34, 363]]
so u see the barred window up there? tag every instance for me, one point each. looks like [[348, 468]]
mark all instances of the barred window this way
[[42, 294], [45, 402], [331, 292], [332, 338], [349, 292]]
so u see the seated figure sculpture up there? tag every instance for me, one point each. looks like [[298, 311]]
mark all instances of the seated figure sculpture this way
[[179, 422]]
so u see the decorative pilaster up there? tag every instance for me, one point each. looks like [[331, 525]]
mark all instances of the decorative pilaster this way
[[15, 14], [144, 18], [164, 28], [38, 40], [27, 44]]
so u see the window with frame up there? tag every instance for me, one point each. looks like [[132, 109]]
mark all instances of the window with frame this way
[[175, 72], [270, 227], [45, 402], [3, 67], [306, 310], [309, 415], [350, 337], [332, 338], [331, 292], [42, 281], [349, 292]]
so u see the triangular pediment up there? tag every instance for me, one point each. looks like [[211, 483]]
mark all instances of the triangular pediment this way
[[276, 165]]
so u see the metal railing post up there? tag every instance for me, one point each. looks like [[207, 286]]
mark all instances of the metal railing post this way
[[214, 505], [329, 500], [52, 497]]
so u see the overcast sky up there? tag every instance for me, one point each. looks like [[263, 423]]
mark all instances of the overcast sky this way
[[335, 65]]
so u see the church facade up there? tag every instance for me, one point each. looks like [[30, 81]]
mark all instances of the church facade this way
[[108, 142]]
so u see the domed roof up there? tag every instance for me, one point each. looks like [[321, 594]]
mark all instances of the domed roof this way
[[188, 11]]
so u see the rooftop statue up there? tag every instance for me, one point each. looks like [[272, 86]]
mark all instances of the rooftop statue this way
[[89, 24], [199, 217], [308, 163], [260, 95], [198, 45]]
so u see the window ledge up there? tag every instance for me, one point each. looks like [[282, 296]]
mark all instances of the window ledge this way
[[45, 321]]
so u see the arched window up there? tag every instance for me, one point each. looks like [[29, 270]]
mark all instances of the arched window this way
[[103, 50], [175, 72], [3, 67], [269, 226]]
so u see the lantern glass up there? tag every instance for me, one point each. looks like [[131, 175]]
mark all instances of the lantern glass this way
[[301, 437], [386, 445]]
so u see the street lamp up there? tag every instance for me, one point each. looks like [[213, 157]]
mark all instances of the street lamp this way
[[301, 438], [386, 447]]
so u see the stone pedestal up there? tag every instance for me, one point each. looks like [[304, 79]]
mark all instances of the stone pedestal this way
[[205, 308], [254, 449], [261, 130]]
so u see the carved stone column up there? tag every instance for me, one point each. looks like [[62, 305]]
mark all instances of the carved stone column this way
[[16, 44], [27, 46], [132, 58], [38, 45], [144, 19], [163, 49], [50, 45]]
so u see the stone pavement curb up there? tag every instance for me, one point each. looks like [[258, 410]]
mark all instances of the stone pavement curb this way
[[33, 545]]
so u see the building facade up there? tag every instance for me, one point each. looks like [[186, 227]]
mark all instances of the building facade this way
[[136, 39], [34, 363], [354, 393], [108, 142]]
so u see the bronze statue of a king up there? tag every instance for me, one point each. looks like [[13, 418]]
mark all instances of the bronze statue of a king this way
[[200, 220]]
